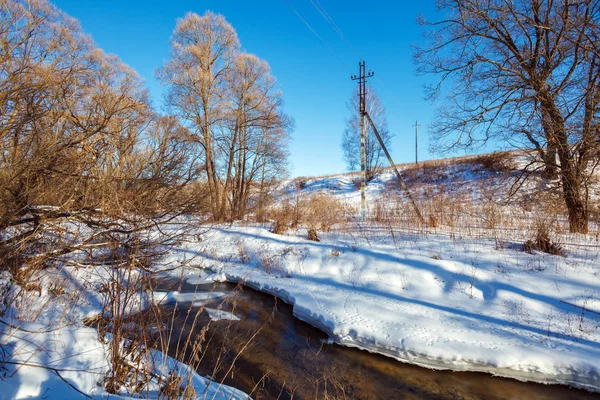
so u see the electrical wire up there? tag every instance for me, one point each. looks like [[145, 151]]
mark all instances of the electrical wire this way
[[317, 35], [335, 26], [386, 89], [337, 29]]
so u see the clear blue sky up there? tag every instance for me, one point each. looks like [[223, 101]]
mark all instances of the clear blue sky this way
[[316, 85]]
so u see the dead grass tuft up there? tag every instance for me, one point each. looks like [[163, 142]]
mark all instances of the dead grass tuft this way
[[542, 240], [312, 235]]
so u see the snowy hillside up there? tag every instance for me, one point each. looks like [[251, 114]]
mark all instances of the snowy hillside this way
[[473, 290], [486, 195], [468, 178]]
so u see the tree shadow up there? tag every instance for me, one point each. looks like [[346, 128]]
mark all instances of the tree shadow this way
[[489, 289]]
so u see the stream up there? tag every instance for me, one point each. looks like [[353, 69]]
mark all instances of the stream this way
[[286, 358]]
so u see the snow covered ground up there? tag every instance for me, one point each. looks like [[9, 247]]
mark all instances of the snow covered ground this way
[[48, 352], [433, 300], [463, 295]]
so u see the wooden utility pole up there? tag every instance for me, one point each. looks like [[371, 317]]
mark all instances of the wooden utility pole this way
[[416, 142], [362, 94]]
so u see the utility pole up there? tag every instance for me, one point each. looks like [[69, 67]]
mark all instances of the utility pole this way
[[416, 142], [362, 94]]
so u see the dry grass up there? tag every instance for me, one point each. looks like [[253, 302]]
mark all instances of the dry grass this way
[[323, 212], [542, 239], [429, 165], [318, 211]]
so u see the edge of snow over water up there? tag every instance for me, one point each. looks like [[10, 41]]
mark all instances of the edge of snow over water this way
[[470, 307]]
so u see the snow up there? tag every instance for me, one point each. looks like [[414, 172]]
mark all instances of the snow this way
[[218, 315], [453, 297], [195, 298], [431, 300], [55, 356], [74, 353]]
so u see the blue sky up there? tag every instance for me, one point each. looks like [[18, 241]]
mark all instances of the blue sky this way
[[316, 84]]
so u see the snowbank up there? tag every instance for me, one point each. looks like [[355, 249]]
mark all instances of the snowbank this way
[[430, 300], [55, 356]]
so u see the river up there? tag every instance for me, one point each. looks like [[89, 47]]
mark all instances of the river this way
[[286, 358]]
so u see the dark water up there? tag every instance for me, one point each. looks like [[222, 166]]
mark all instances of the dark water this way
[[276, 356]]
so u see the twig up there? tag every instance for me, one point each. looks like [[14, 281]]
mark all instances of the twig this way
[[27, 330]]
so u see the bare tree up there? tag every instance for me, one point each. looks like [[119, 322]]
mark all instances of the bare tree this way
[[351, 138], [86, 166], [43, 56], [522, 72], [77, 136], [228, 101], [258, 131], [203, 50]]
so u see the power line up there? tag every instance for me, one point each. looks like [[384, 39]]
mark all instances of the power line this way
[[335, 26], [387, 91], [317, 35], [337, 29]]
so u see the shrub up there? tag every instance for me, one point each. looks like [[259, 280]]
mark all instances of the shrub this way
[[312, 235], [279, 227], [433, 221], [501, 161], [282, 217], [323, 211], [542, 241], [380, 213], [300, 183]]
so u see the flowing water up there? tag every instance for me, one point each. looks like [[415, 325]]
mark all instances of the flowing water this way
[[286, 358]]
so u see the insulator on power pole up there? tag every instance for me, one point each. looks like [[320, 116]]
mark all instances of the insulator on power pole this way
[[362, 80]]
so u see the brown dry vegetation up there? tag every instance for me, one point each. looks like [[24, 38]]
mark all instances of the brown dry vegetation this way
[[79, 142], [483, 195], [316, 212], [88, 168]]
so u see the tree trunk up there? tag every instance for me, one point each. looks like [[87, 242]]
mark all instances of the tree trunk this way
[[574, 196], [550, 171], [213, 186], [578, 212], [261, 196], [229, 180]]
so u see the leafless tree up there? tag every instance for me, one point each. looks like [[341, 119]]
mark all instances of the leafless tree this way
[[89, 174], [203, 51], [258, 131], [229, 102], [525, 73], [351, 138], [78, 139]]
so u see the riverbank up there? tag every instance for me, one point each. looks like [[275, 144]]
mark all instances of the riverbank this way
[[47, 351], [430, 300], [290, 359]]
